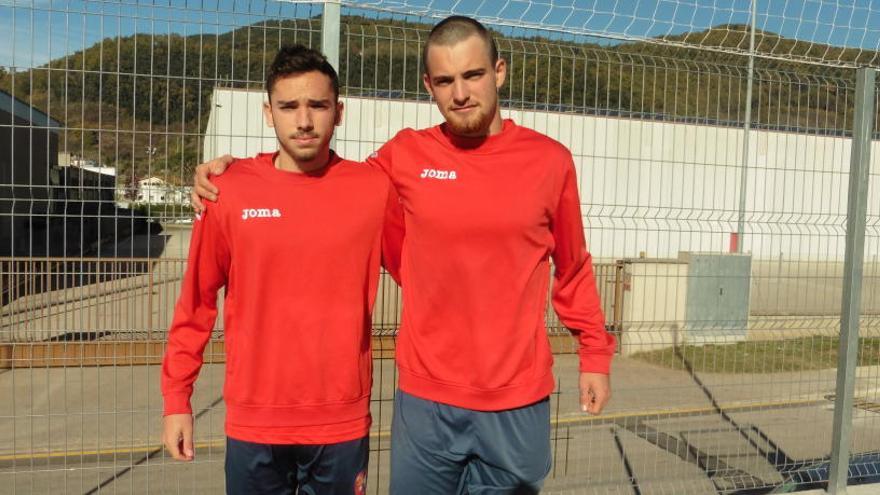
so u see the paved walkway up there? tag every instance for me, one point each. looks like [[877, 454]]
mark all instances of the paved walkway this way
[[662, 433]]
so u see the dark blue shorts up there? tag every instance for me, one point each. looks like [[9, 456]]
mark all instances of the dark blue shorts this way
[[444, 450], [256, 468]]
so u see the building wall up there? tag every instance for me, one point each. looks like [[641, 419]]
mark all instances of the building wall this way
[[27, 154], [236, 125], [649, 187]]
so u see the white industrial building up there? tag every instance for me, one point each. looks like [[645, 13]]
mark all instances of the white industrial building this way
[[66, 159], [647, 187], [155, 190]]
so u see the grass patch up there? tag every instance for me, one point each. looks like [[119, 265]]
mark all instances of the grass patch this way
[[800, 354]]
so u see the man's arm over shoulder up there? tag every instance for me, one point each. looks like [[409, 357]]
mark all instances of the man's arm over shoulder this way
[[203, 188], [196, 311], [383, 158]]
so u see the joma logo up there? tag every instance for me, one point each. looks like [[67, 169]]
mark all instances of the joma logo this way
[[430, 173], [260, 213]]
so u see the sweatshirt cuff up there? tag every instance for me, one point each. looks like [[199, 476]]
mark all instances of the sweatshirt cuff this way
[[595, 363], [177, 404]]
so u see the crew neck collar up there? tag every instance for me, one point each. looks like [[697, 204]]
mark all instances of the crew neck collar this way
[[486, 144], [267, 161]]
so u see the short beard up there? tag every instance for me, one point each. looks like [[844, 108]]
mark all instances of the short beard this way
[[303, 156], [476, 126]]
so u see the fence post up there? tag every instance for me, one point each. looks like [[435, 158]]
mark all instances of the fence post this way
[[330, 20], [747, 127], [863, 123], [330, 40]]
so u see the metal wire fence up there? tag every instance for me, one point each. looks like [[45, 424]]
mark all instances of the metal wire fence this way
[[715, 185]]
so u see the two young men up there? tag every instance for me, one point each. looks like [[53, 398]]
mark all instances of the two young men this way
[[296, 242], [486, 205]]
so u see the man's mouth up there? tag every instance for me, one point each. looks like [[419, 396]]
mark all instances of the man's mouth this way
[[464, 109], [307, 139]]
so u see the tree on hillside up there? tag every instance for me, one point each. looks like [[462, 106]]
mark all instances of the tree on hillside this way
[[128, 94]]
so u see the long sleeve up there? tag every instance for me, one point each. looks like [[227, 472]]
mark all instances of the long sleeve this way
[[394, 226], [381, 158], [195, 312], [574, 295], [392, 235]]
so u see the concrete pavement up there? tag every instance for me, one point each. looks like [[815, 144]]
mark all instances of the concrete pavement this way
[[67, 429]]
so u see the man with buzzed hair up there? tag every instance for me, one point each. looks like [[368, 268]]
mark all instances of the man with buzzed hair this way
[[452, 31], [486, 205]]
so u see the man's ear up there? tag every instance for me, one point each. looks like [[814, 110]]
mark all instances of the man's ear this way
[[267, 114], [426, 80], [340, 109], [500, 72]]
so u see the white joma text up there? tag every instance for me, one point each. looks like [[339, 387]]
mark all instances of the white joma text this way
[[430, 173], [260, 213]]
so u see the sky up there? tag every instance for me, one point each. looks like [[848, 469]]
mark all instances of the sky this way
[[40, 30]]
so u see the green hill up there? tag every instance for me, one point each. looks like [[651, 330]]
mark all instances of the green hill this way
[[123, 97]]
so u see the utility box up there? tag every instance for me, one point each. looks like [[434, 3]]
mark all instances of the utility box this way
[[651, 304], [717, 309]]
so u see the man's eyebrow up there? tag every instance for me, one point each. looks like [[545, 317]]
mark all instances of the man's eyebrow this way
[[468, 72], [310, 101]]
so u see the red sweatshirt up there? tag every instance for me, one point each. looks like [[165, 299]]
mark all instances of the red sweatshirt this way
[[299, 255], [482, 222]]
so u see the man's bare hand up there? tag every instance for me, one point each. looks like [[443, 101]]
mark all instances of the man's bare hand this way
[[595, 392], [202, 186], [177, 435]]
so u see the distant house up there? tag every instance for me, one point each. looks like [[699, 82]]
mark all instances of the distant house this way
[[155, 190]]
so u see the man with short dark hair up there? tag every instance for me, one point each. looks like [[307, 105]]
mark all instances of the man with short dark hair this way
[[486, 204], [296, 242]]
